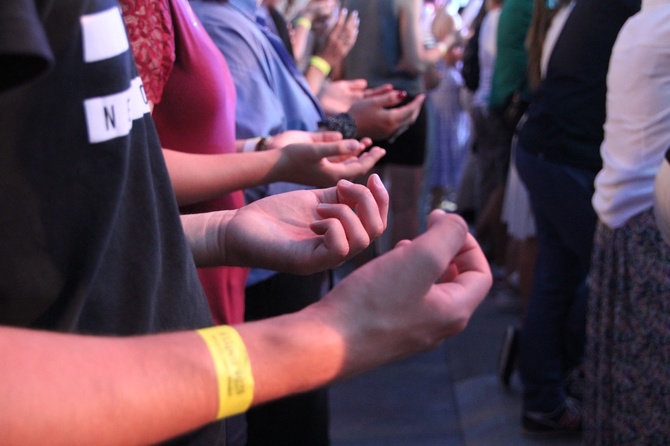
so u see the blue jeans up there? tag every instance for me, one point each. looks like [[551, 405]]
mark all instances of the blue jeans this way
[[553, 331]]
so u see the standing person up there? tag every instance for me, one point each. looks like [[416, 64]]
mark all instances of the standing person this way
[[390, 49], [449, 128], [558, 157], [491, 162], [627, 400], [113, 259], [181, 69], [273, 96], [507, 102], [546, 24], [101, 309], [468, 191]]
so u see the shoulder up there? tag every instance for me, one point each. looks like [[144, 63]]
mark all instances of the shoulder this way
[[24, 45]]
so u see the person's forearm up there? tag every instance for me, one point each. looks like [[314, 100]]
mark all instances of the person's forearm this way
[[416, 57], [205, 234], [71, 389], [68, 389], [315, 79], [318, 343], [299, 42], [196, 178], [293, 353]]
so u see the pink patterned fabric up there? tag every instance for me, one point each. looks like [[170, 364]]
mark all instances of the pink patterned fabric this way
[[151, 35]]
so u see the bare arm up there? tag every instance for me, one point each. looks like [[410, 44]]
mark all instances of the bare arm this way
[[66, 390], [70, 389], [416, 58], [313, 159], [197, 177]]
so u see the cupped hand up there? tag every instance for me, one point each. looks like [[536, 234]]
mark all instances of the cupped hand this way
[[378, 117], [303, 232], [411, 298], [323, 164]]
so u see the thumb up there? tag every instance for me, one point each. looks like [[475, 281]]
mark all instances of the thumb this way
[[440, 244], [326, 136], [389, 99], [358, 84], [347, 147]]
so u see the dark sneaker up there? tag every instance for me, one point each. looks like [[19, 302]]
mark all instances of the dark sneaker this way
[[507, 359], [565, 420]]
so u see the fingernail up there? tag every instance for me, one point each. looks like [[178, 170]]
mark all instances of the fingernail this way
[[377, 180], [353, 145], [344, 182], [402, 94]]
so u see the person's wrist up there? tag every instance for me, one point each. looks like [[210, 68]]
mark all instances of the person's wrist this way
[[263, 144], [304, 22], [256, 144], [233, 369], [250, 144], [320, 64]]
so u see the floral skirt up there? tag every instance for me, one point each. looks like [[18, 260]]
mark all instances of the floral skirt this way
[[627, 400]]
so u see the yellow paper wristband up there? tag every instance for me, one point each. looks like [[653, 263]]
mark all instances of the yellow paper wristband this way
[[320, 64], [304, 22], [233, 370]]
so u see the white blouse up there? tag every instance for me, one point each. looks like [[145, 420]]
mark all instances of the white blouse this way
[[637, 129]]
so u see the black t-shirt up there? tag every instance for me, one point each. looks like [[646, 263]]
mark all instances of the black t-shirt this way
[[90, 237], [567, 112]]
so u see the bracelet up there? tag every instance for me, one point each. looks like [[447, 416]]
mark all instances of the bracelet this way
[[251, 144], [233, 370], [343, 123], [263, 143], [304, 22], [320, 64]]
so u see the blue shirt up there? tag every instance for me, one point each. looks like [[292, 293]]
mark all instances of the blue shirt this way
[[271, 98]]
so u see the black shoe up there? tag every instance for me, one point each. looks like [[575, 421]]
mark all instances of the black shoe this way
[[565, 420], [507, 358]]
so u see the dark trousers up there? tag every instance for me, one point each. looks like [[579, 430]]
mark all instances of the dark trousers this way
[[553, 331], [299, 419]]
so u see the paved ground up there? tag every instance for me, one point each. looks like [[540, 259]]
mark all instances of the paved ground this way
[[447, 397]]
